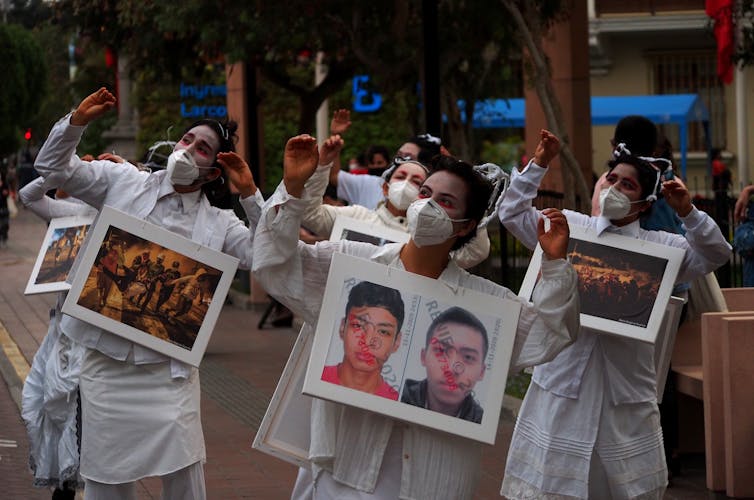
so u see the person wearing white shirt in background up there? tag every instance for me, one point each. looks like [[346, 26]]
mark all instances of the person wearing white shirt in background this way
[[589, 426], [359, 454], [141, 410], [49, 399], [366, 190], [400, 186]]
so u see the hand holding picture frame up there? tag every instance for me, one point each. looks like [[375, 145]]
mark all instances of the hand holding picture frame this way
[[150, 286], [624, 283], [61, 245], [443, 364]]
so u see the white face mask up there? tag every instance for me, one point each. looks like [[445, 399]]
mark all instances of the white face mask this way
[[615, 205], [402, 193], [428, 223], [182, 168]]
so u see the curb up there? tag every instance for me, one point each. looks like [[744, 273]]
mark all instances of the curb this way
[[13, 366]]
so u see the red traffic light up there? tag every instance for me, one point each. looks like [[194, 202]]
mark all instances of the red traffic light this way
[[27, 134]]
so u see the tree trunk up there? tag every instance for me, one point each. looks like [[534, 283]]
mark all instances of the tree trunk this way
[[531, 35]]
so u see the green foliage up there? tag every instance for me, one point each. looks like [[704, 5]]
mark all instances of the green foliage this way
[[743, 53], [517, 385], [24, 84]]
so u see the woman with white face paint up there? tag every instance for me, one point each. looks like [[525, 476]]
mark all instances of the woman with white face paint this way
[[359, 454], [589, 426], [400, 188], [140, 409]]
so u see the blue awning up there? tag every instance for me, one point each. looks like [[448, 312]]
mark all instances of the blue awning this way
[[679, 109]]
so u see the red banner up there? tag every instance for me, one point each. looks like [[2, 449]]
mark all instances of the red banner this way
[[721, 11]]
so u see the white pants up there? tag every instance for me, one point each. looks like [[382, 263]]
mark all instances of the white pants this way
[[183, 484], [388, 485]]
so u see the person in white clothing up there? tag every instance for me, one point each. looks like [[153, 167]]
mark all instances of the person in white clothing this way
[[358, 454], [589, 426], [49, 399], [366, 190], [141, 410], [400, 187]]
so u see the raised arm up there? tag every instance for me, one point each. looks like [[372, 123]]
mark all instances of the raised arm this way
[[33, 197], [57, 161], [239, 174], [317, 217], [550, 322], [517, 213], [292, 272], [706, 247], [739, 212], [339, 125]]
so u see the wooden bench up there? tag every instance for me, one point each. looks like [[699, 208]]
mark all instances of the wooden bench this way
[[712, 360]]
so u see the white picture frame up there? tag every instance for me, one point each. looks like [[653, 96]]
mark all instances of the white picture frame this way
[[110, 288], [62, 243], [666, 341], [624, 283], [423, 300], [285, 431], [348, 228]]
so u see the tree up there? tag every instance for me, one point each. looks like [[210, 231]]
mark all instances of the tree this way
[[382, 39], [528, 17], [24, 84]]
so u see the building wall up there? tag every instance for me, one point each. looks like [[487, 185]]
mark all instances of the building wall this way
[[628, 72]]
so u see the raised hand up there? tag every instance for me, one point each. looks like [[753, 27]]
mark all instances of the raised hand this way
[[93, 106], [299, 163], [677, 196], [111, 157], [547, 149], [341, 122], [554, 242], [330, 149], [238, 173], [742, 204]]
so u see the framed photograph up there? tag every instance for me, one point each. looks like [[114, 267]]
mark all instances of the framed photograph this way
[[61, 245], [285, 429], [348, 228], [396, 343], [665, 342], [624, 283], [150, 286]]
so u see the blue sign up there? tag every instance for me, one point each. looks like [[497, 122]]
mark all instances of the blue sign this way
[[364, 99], [199, 93]]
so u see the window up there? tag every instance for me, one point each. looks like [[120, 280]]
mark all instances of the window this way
[[691, 72]]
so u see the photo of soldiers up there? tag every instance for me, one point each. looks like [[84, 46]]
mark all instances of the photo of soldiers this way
[[60, 254], [184, 300], [154, 271], [166, 290]]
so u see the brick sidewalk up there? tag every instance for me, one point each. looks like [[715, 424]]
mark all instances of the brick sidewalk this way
[[238, 375]]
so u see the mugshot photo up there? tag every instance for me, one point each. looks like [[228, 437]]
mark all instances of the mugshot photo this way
[[368, 346], [392, 342], [448, 359]]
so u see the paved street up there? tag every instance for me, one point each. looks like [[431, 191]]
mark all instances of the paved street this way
[[238, 375]]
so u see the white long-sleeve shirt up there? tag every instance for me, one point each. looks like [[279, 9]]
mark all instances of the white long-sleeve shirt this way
[[320, 218], [150, 197], [33, 197], [349, 442], [629, 363]]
